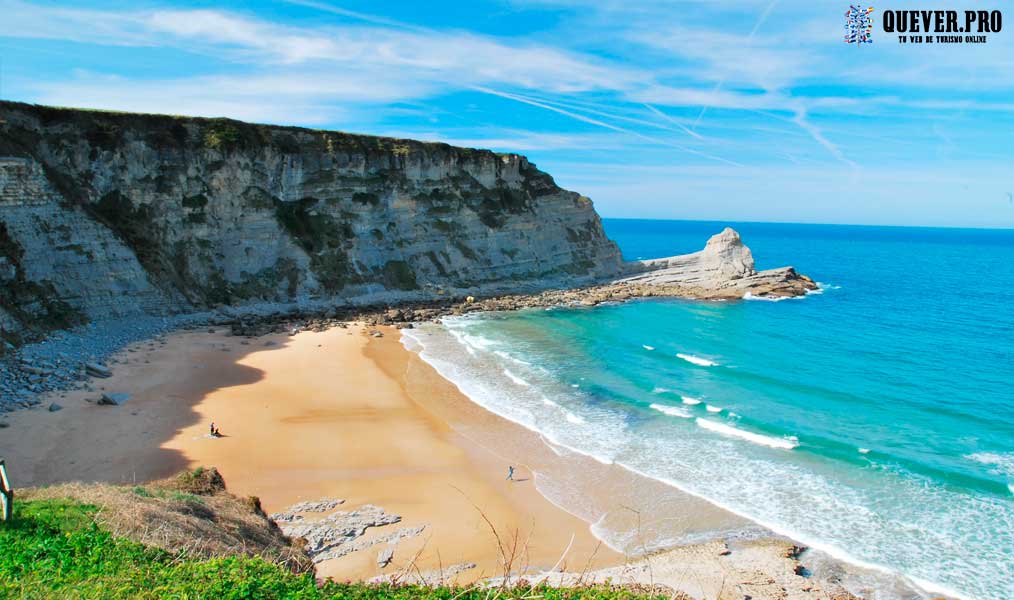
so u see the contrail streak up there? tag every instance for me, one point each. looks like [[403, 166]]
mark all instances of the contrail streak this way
[[592, 121], [718, 86]]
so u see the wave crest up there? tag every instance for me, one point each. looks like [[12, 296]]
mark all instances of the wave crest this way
[[697, 360], [672, 411], [756, 438]]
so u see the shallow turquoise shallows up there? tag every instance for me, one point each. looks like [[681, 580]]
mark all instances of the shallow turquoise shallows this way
[[873, 420]]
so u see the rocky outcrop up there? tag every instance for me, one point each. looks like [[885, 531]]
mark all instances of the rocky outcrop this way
[[341, 532], [723, 269], [109, 214]]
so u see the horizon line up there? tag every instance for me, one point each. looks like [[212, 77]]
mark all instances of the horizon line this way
[[814, 223]]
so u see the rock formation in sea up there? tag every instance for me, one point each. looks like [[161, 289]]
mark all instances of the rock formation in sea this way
[[723, 269]]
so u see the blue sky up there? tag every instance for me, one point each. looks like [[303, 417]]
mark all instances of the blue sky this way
[[699, 109]]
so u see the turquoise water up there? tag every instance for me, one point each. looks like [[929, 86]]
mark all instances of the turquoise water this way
[[873, 420]]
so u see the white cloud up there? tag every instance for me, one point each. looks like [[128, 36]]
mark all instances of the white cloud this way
[[450, 57]]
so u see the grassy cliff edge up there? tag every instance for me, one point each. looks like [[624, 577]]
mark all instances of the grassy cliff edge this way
[[186, 537]]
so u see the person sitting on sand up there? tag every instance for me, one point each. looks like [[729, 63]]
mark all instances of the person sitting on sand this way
[[510, 473]]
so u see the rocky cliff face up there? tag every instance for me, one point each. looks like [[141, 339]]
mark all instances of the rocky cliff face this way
[[105, 214]]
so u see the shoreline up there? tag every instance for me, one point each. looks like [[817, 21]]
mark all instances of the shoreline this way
[[444, 408], [834, 563], [33, 368]]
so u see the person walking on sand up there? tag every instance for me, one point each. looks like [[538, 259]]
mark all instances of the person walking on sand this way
[[510, 473], [212, 428]]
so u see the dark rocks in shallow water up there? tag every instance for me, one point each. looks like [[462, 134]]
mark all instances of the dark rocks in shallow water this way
[[113, 398], [55, 407]]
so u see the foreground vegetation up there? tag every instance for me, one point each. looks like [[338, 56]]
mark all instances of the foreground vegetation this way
[[55, 549]]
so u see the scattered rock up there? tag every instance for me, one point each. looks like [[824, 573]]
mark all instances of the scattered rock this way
[[36, 370], [339, 533], [97, 370], [270, 343], [376, 334], [4, 424], [55, 407], [316, 506], [385, 557], [113, 398]]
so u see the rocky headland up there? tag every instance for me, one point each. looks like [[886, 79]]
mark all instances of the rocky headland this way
[[118, 227]]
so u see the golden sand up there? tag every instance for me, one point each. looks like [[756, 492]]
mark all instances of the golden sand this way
[[316, 415]]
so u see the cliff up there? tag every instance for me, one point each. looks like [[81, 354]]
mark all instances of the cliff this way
[[110, 214]]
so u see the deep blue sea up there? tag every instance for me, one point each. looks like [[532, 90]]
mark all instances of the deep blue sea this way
[[873, 420]]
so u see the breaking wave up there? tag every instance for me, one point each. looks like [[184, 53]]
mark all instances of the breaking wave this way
[[672, 411], [756, 438], [697, 360]]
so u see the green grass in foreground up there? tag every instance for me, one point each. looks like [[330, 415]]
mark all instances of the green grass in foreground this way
[[54, 549]]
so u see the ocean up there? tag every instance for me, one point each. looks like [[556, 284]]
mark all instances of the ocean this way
[[873, 420]]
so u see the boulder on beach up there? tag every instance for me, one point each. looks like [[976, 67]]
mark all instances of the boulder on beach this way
[[113, 398], [97, 370]]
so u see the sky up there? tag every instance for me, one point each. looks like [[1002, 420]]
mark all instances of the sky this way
[[735, 110]]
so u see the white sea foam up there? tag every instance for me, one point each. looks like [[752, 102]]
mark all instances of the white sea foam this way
[[513, 359], [1003, 463], [410, 343], [647, 347], [478, 342], [908, 537], [672, 411], [574, 385], [660, 390], [689, 400], [515, 378], [749, 296], [713, 409], [571, 417], [756, 438], [460, 338], [864, 451], [697, 360]]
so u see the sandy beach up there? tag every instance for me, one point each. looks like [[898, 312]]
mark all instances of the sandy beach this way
[[313, 416], [349, 414]]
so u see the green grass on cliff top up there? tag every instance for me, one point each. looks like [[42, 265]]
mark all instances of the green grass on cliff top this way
[[54, 549]]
